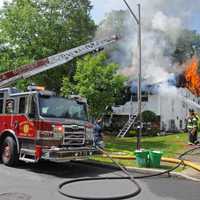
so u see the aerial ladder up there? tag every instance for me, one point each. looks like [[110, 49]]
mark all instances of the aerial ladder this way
[[53, 61]]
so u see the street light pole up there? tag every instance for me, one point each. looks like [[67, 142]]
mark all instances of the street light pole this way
[[139, 94], [139, 78]]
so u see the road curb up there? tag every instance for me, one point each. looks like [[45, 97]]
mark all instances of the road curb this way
[[147, 171], [154, 171]]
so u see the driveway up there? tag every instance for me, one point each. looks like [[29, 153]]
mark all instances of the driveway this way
[[40, 181]]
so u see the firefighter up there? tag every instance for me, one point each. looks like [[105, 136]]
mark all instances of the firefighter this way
[[9, 107], [98, 134], [192, 127]]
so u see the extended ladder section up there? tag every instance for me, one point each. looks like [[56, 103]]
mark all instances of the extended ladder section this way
[[127, 126], [53, 61]]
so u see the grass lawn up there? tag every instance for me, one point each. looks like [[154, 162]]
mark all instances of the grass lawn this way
[[171, 145]]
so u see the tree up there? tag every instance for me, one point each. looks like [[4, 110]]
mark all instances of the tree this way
[[149, 116], [115, 22], [34, 29], [67, 87], [187, 44], [98, 81]]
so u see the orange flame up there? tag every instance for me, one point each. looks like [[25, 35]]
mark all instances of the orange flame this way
[[193, 77]]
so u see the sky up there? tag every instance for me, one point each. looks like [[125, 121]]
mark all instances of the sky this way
[[101, 7]]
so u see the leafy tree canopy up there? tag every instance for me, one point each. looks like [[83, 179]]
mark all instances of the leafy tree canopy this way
[[98, 81], [67, 87], [34, 29], [149, 116], [187, 45]]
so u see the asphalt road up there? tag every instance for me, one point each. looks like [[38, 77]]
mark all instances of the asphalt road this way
[[40, 181]]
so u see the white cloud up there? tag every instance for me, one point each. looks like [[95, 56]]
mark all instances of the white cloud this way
[[182, 8], [101, 7], [2, 1]]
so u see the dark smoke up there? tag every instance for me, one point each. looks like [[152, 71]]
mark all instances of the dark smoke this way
[[180, 80]]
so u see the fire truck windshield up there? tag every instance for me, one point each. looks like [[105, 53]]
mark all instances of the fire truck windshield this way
[[58, 107]]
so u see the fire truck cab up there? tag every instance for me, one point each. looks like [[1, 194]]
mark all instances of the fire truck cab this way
[[38, 124]]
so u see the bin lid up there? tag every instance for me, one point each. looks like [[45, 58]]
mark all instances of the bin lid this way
[[141, 150], [160, 152]]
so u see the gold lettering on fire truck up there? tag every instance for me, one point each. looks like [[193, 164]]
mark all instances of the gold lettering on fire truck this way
[[26, 129]]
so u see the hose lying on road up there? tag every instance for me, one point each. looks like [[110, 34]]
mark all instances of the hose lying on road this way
[[129, 177]]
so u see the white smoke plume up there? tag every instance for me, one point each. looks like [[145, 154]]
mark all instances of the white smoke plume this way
[[162, 23]]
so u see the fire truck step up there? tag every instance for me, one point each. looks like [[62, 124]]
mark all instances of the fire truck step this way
[[27, 155], [27, 151], [28, 160]]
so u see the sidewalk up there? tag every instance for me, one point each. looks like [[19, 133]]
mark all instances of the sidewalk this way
[[193, 157], [191, 173]]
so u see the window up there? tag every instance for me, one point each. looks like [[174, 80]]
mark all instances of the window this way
[[57, 107], [32, 113], [1, 102], [22, 105], [181, 124], [134, 98], [163, 126], [1, 105], [145, 98], [1, 95], [10, 106], [172, 124]]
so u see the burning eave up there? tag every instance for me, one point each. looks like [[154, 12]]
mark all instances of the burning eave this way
[[192, 76]]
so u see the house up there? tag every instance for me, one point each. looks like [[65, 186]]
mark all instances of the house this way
[[171, 107]]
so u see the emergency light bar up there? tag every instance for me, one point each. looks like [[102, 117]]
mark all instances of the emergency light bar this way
[[78, 98], [35, 88]]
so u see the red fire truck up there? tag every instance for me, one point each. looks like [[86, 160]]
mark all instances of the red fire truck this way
[[38, 124]]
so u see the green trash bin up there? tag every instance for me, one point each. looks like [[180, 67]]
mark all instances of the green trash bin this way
[[154, 158], [142, 157]]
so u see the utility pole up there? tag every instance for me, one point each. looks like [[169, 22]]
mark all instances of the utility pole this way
[[139, 78], [139, 94]]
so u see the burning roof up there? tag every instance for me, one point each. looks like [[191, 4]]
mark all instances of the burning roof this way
[[192, 76], [190, 79], [153, 88]]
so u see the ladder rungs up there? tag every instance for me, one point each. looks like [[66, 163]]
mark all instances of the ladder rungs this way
[[127, 126]]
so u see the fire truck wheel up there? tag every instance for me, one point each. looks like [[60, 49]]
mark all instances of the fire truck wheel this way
[[9, 154]]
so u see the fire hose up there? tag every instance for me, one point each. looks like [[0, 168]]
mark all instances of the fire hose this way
[[129, 177]]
